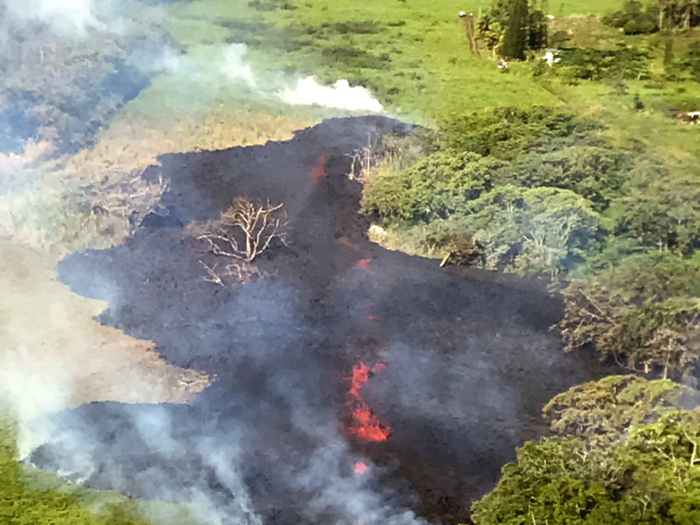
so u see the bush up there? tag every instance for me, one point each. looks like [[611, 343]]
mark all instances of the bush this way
[[633, 19], [661, 213], [658, 274], [536, 231], [659, 335], [434, 187], [691, 62], [643, 24], [594, 172], [353, 57], [506, 133], [599, 64]]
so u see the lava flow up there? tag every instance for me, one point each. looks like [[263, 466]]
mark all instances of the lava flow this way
[[364, 263], [361, 467], [318, 173], [364, 423]]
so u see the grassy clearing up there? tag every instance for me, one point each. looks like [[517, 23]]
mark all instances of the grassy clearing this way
[[411, 54]]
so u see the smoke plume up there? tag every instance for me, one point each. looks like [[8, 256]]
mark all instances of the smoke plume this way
[[309, 92], [65, 17]]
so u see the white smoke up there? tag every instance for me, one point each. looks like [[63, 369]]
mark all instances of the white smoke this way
[[234, 65], [341, 95], [228, 65], [32, 386], [65, 17]]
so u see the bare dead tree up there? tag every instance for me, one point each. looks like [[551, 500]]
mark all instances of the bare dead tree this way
[[241, 273], [363, 161], [246, 229], [211, 275]]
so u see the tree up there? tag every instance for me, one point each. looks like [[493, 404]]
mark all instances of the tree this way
[[246, 229], [533, 231], [661, 212], [591, 317], [661, 335], [689, 10], [462, 249], [691, 61], [643, 471], [516, 39], [603, 411]]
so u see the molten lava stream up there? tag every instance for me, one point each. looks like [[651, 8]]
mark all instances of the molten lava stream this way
[[318, 173], [364, 423], [361, 467]]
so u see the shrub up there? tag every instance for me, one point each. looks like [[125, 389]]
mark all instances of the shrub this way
[[633, 19], [353, 57], [505, 133], [436, 186], [691, 62], [661, 213], [658, 335], [598, 64]]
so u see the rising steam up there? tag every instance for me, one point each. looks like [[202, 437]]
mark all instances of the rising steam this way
[[228, 65], [340, 95], [64, 17]]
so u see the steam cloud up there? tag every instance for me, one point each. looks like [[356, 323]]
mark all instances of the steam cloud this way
[[167, 452], [64, 17], [229, 65], [309, 92]]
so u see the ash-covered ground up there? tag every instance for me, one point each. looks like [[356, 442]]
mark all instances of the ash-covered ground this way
[[470, 358]]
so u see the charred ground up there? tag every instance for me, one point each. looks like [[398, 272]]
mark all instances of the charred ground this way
[[470, 356]]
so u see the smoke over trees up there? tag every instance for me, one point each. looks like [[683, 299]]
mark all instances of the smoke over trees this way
[[69, 68]]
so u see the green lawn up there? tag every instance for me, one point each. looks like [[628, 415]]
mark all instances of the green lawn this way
[[411, 54]]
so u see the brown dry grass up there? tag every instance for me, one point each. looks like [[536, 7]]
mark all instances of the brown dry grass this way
[[135, 140], [43, 214], [53, 354]]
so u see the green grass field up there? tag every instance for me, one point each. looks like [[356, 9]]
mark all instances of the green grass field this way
[[413, 57], [412, 54]]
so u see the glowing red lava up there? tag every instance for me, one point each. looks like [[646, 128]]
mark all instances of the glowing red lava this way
[[364, 263], [365, 424], [348, 243], [361, 467], [318, 173]]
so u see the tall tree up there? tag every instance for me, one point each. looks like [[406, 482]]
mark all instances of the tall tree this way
[[517, 31]]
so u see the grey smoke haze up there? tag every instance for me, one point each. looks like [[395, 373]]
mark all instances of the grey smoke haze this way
[[160, 452], [65, 17], [100, 54]]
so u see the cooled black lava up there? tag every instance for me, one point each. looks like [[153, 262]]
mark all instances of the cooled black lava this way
[[470, 358]]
